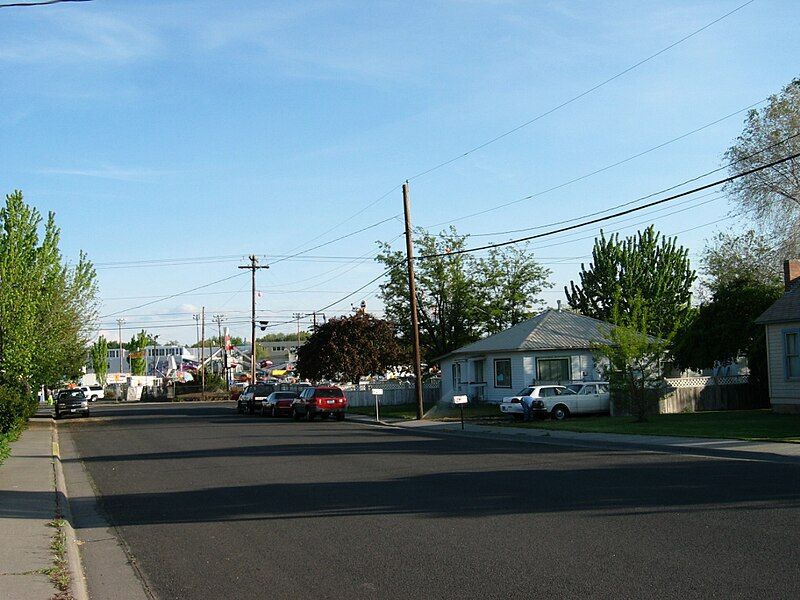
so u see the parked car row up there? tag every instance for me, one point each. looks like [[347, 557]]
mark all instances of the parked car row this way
[[559, 401], [312, 402]]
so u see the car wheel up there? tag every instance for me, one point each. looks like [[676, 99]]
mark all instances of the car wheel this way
[[239, 407], [251, 409], [274, 411], [340, 416], [57, 415], [309, 416], [559, 413], [295, 414]]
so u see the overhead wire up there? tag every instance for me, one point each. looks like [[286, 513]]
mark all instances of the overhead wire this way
[[580, 95], [617, 214]]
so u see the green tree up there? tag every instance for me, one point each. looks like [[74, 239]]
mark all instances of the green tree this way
[[349, 348], [725, 329], [99, 356], [645, 268], [771, 198], [460, 297], [750, 255], [138, 352], [448, 303], [47, 308], [509, 282], [635, 360]]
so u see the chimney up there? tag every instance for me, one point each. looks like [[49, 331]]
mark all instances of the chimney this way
[[559, 301], [791, 272]]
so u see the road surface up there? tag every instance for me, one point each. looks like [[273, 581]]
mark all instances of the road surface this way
[[217, 505]]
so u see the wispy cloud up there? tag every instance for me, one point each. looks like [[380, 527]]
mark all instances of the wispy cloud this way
[[108, 172], [78, 36]]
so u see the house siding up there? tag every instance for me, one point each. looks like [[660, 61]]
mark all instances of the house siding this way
[[523, 372], [784, 393]]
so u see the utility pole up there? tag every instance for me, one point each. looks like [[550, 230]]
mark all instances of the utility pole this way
[[196, 318], [253, 266], [218, 318], [119, 328], [412, 290], [203, 352], [298, 316]]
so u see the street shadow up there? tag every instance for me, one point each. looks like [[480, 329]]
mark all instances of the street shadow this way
[[621, 490]]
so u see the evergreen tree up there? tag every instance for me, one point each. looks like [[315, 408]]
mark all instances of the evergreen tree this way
[[646, 266]]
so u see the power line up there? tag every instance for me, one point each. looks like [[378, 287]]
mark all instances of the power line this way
[[579, 96], [611, 166], [618, 214], [194, 289], [41, 3]]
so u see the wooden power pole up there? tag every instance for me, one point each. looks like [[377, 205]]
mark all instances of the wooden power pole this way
[[253, 266], [203, 351], [412, 290]]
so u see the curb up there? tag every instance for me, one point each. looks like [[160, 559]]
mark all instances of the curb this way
[[78, 580]]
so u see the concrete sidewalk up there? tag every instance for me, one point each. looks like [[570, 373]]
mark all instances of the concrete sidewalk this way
[[28, 502], [719, 448]]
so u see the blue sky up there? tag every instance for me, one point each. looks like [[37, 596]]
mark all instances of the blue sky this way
[[173, 130]]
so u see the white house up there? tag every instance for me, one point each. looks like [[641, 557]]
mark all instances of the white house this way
[[552, 347], [782, 324]]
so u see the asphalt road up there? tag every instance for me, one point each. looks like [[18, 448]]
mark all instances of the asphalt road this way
[[217, 505]]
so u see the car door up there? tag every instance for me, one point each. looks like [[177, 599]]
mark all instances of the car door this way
[[603, 398], [587, 399]]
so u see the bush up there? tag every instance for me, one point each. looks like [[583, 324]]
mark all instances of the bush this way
[[15, 408]]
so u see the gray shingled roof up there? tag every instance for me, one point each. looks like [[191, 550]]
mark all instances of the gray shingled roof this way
[[549, 330], [785, 309]]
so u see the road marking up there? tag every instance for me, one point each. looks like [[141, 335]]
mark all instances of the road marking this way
[[56, 452]]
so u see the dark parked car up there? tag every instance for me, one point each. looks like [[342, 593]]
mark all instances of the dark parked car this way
[[251, 398], [321, 400], [70, 402], [279, 404]]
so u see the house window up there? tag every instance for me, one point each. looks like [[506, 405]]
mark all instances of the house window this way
[[552, 369], [479, 376], [456, 370], [502, 373], [791, 352]]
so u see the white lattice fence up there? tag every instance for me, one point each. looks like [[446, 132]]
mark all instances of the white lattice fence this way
[[692, 382]]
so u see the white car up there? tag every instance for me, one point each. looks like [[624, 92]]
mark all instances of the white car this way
[[92, 392], [559, 401]]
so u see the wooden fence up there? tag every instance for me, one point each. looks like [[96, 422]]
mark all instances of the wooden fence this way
[[692, 394]]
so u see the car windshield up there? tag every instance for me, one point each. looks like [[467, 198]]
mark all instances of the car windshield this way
[[575, 388], [72, 394], [329, 393], [525, 391]]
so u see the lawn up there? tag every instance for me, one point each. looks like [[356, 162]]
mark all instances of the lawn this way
[[753, 425]]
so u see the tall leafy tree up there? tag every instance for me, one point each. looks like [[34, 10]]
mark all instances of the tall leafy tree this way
[[47, 308], [646, 266], [447, 300], [99, 356], [138, 352], [771, 198], [460, 297], [349, 348], [509, 282], [725, 329], [750, 255]]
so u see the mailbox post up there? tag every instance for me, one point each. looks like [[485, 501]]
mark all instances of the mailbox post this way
[[377, 392], [460, 401]]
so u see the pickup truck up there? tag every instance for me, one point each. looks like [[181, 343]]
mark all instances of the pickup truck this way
[[92, 392]]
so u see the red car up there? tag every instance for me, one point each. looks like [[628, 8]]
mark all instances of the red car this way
[[323, 401], [278, 404]]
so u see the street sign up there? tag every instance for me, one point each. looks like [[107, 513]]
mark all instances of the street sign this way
[[460, 400], [377, 391]]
